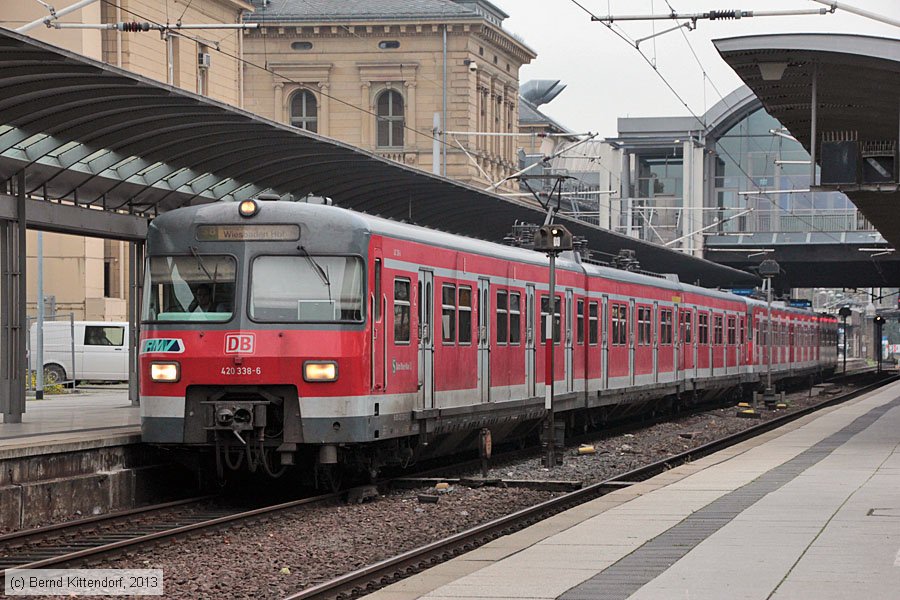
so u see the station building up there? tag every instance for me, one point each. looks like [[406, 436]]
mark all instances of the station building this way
[[384, 76]]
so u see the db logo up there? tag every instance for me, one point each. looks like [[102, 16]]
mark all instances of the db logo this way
[[242, 343]]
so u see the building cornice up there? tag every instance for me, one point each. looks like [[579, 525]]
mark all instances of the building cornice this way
[[505, 41], [468, 25]]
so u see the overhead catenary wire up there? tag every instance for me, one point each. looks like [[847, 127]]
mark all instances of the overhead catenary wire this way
[[725, 151]]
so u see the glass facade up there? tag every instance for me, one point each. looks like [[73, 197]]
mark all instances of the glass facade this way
[[751, 158], [658, 197]]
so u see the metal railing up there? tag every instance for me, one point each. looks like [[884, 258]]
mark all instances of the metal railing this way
[[795, 221]]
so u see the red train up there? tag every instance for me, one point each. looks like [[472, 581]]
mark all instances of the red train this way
[[277, 333]]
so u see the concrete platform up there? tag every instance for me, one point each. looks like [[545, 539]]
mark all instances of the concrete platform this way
[[91, 409], [811, 510], [80, 454]]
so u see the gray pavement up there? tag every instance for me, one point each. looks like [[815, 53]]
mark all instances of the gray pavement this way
[[90, 409], [810, 511]]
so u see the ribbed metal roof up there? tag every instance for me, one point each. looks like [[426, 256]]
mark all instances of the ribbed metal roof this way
[[89, 132]]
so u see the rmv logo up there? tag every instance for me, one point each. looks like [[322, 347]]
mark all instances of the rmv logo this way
[[239, 343]]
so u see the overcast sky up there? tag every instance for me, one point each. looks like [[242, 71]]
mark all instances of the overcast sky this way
[[606, 78]]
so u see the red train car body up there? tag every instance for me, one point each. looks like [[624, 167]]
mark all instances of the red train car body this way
[[334, 338]]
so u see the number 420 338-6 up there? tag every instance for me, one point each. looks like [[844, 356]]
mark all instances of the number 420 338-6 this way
[[241, 371]]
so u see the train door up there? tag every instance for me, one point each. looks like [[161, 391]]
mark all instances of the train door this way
[[631, 323], [688, 343], [604, 342], [677, 336], [484, 339], [761, 328], [570, 351], [426, 338], [654, 339], [530, 350], [792, 352], [378, 336]]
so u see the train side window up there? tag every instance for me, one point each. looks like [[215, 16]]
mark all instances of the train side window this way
[[732, 340], [515, 317], [401, 310], [619, 324], [502, 318], [593, 332], [378, 289], [465, 314], [580, 335], [687, 329], [545, 312], [615, 324], [448, 314], [645, 326], [703, 328], [665, 327], [557, 320], [419, 303], [717, 330]]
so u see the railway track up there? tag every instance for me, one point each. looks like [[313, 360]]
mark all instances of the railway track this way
[[370, 578], [95, 537], [106, 536], [612, 429]]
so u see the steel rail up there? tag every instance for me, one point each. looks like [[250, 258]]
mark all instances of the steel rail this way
[[65, 527], [143, 539], [370, 578]]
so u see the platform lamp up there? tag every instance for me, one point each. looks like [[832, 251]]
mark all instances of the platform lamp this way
[[551, 239], [769, 269], [844, 312]]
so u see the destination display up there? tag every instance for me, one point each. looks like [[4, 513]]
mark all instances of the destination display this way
[[255, 233]]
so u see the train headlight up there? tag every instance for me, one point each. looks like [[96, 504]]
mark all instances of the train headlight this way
[[319, 370], [248, 208], [169, 372]]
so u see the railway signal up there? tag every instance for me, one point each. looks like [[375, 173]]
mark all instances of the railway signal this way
[[551, 239]]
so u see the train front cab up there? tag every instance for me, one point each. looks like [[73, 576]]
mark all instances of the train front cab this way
[[278, 364]]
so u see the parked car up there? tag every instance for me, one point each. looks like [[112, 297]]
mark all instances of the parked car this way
[[100, 351]]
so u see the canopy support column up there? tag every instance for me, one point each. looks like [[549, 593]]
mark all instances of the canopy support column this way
[[135, 283], [12, 310]]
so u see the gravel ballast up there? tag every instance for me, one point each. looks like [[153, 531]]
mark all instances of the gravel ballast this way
[[278, 555], [289, 552]]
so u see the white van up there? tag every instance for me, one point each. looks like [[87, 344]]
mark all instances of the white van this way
[[100, 351]]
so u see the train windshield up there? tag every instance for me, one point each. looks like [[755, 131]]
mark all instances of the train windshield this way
[[189, 288], [307, 289]]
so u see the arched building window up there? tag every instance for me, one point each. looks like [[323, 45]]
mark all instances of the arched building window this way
[[389, 108], [304, 111]]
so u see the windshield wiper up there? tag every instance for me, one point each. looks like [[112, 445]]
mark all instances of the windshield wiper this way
[[319, 269], [193, 250]]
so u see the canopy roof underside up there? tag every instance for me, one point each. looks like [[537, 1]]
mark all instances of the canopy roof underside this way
[[857, 97], [89, 133]]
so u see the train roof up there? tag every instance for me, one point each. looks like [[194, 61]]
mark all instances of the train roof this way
[[344, 219]]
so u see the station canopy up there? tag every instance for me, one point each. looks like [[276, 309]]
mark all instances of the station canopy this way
[[857, 98], [94, 135]]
